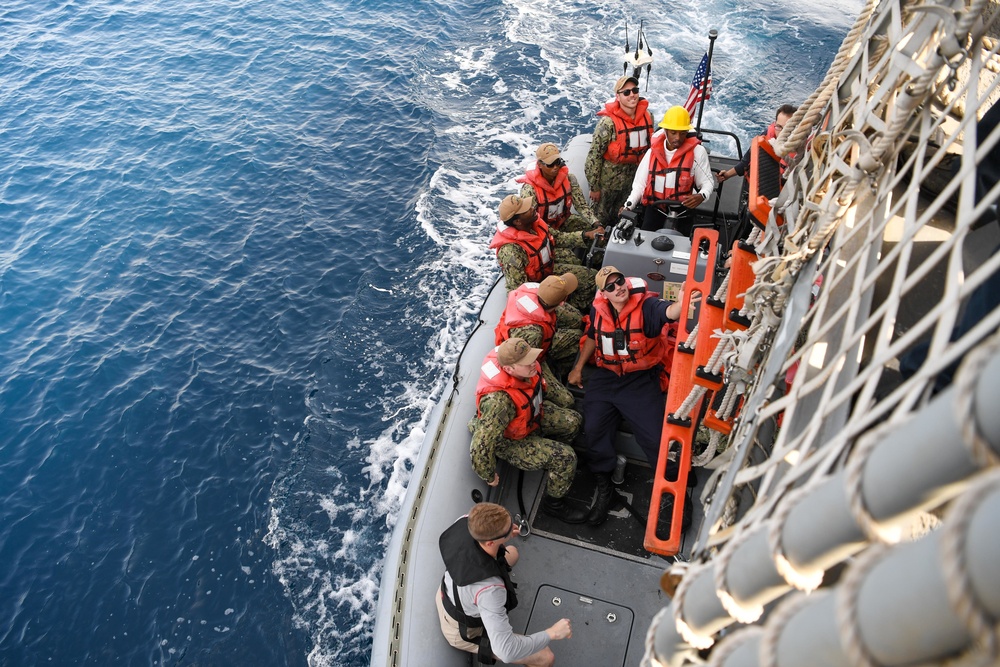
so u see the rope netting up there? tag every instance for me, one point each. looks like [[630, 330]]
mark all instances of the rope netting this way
[[891, 227]]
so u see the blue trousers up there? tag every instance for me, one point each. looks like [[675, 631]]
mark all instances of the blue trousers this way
[[634, 396]]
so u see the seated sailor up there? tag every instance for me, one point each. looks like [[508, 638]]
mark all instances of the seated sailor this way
[[537, 313], [627, 337], [526, 249], [556, 192], [515, 423]]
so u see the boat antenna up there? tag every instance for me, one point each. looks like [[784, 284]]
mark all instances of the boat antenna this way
[[712, 34], [642, 56]]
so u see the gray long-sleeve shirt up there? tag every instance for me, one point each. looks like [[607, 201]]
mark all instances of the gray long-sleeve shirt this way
[[486, 599]]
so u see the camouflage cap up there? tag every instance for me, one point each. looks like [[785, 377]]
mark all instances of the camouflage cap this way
[[555, 289], [513, 205], [606, 272], [547, 153], [516, 351], [620, 83]]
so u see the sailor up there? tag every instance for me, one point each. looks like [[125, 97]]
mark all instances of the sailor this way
[[556, 192], [675, 168], [515, 423], [476, 592], [526, 249], [781, 118], [627, 336], [537, 313], [621, 138]]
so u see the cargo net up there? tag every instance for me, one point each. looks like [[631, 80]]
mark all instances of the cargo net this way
[[876, 279]]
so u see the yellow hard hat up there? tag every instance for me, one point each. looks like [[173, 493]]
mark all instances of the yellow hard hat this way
[[676, 118]]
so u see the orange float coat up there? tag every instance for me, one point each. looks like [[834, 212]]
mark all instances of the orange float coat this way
[[526, 395], [680, 163], [638, 352], [631, 134], [554, 199]]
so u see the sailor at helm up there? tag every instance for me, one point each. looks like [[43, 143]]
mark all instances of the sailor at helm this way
[[674, 176]]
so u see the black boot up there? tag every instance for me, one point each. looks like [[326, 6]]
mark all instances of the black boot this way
[[605, 492], [563, 510]]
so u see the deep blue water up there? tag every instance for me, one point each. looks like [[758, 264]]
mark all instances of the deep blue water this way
[[241, 243]]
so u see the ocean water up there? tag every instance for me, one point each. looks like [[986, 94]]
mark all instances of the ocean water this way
[[241, 244]]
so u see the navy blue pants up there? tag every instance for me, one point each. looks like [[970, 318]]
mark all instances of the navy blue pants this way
[[635, 396]]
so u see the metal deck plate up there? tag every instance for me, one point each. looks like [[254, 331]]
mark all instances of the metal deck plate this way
[[601, 630]]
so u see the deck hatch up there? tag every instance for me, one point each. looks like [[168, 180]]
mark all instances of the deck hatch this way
[[601, 630]]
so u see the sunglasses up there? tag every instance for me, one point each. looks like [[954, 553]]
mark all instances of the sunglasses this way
[[628, 91], [612, 285], [558, 162]]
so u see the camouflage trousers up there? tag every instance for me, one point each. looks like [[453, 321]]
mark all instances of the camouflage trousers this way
[[547, 449], [583, 296], [576, 223], [555, 391]]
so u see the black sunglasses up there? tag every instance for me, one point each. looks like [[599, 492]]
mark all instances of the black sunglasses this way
[[558, 162], [612, 285], [629, 91]]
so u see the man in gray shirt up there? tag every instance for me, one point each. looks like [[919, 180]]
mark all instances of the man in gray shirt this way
[[476, 592]]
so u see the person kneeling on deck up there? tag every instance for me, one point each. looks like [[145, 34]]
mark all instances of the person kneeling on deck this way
[[627, 337], [476, 592], [674, 176], [514, 423], [526, 249], [555, 191], [537, 313]]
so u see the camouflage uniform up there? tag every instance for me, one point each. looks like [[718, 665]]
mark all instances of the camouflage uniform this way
[[613, 181], [545, 449], [561, 353], [581, 221], [513, 260]]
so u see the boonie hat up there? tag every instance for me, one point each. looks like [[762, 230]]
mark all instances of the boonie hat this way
[[555, 289], [620, 83], [513, 205], [516, 351], [606, 272], [547, 153]]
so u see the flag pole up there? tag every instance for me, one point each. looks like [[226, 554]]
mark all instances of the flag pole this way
[[712, 34]]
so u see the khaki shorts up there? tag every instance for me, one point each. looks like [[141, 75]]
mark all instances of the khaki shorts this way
[[449, 628]]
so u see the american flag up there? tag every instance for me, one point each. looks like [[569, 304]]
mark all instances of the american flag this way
[[699, 76]]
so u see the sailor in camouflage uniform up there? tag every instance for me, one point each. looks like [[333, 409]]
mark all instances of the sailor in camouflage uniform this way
[[513, 422], [528, 251], [620, 140], [556, 192], [538, 314]]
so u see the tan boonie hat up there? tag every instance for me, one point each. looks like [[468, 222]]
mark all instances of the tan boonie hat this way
[[555, 289], [513, 205], [547, 153], [620, 83], [606, 272], [516, 351]]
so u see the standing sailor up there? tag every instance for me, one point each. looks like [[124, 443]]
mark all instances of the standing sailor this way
[[676, 169], [621, 138]]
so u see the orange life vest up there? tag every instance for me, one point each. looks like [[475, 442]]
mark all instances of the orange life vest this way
[[631, 134], [660, 169], [538, 246], [638, 352], [526, 395], [524, 310], [554, 199]]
